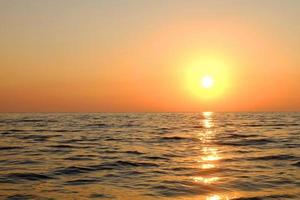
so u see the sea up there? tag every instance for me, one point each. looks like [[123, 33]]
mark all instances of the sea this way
[[137, 156]]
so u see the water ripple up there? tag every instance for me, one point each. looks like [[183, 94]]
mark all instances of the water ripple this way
[[205, 156]]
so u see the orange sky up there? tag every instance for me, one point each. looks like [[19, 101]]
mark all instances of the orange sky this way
[[147, 56]]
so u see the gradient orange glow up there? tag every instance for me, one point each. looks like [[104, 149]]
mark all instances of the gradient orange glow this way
[[101, 56]]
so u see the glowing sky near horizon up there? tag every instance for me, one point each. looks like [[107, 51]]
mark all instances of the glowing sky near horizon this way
[[135, 55]]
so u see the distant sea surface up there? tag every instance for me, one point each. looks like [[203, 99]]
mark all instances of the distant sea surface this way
[[203, 156]]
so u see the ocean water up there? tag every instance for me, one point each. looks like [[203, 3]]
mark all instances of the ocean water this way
[[209, 156]]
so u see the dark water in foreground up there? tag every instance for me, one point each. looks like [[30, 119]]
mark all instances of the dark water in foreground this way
[[209, 156]]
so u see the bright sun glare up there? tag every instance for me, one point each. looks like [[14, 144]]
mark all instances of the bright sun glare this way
[[207, 78], [207, 82]]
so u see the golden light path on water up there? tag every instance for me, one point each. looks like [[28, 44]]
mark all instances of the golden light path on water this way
[[210, 157]]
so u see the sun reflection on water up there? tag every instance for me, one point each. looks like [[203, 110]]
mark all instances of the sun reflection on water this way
[[207, 123], [210, 158], [208, 166], [214, 197], [206, 180], [207, 114], [217, 197], [210, 155]]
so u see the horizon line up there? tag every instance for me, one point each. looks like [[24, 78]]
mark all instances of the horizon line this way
[[141, 112]]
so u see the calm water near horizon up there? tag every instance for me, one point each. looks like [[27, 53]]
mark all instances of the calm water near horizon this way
[[203, 156]]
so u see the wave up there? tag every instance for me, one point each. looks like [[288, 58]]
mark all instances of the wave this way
[[156, 158], [176, 138], [276, 196], [179, 188], [37, 138], [73, 170], [272, 125], [63, 130], [15, 130], [104, 196], [274, 157], [97, 125], [121, 163], [28, 176], [23, 162], [62, 146], [5, 148], [30, 120], [81, 182], [78, 158], [240, 135], [246, 142], [296, 164], [134, 152], [22, 197]]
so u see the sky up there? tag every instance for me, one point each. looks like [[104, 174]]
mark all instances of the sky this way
[[149, 56]]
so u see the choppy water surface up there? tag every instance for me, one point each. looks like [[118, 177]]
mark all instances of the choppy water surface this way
[[209, 156]]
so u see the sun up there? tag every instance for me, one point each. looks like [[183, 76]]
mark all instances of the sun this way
[[207, 78], [207, 82]]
